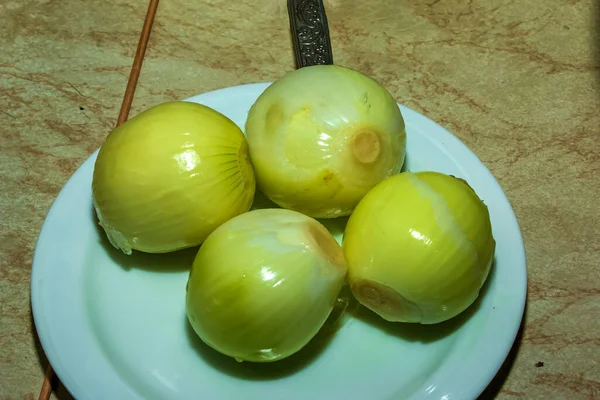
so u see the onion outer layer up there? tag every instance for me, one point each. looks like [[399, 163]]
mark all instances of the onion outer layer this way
[[263, 284], [320, 137], [419, 247], [169, 176]]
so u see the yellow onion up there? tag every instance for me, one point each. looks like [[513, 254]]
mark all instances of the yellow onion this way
[[320, 137], [263, 284], [168, 177], [419, 247]]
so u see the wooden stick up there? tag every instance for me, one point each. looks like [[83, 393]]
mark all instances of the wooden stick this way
[[137, 62], [47, 385], [136, 67]]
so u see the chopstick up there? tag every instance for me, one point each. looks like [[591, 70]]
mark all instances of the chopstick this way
[[134, 74]]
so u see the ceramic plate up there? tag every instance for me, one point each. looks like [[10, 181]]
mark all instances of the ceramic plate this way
[[114, 326]]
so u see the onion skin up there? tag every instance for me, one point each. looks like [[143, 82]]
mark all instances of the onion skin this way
[[263, 284], [169, 176], [321, 137], [419, 247]]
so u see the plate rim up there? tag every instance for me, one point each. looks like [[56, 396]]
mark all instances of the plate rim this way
[[46, 336]]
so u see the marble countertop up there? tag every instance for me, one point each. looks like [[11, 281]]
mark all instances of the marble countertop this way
[[518, 81]]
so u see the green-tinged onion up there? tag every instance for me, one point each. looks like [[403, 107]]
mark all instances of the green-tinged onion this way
[[419, 247], [263, 284], [322, 136], [168, 177]]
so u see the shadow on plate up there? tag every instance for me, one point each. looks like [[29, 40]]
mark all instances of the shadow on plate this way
[[335, 226], [261, 202], [279, 369], [176, 261], [493, 389], [417, 332], [405, 164]]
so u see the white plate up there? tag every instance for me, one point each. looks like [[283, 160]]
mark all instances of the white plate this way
[[114, 327]]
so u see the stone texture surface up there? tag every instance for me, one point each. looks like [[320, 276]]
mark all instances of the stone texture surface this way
[[517, 80]]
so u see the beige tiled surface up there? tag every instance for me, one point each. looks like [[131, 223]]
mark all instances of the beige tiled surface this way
[[517, 80]]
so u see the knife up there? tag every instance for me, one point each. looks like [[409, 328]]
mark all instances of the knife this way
[[310, 32]]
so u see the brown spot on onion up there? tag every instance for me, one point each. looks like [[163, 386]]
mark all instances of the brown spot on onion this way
[[366, 146], [326, 243], [381, 299]]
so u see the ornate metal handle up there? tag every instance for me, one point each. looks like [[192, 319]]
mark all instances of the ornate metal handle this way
[[310, 32]]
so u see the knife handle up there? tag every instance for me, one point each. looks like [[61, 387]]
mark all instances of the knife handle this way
[[310, 32]]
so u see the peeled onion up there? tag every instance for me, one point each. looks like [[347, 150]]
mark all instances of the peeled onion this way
[[322, 136], [263, 284], [168, 177], [419, 247]]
